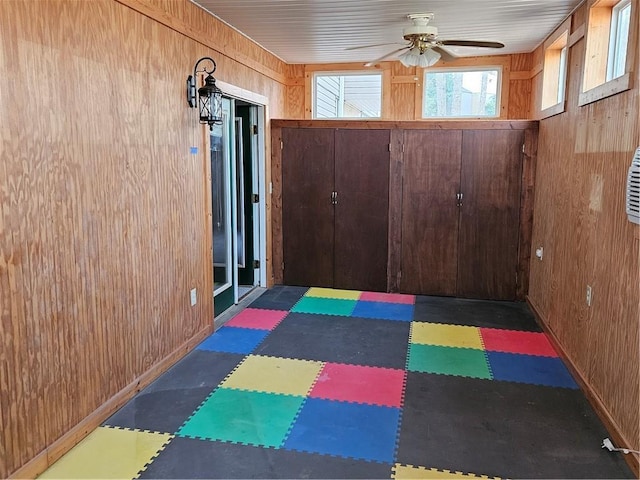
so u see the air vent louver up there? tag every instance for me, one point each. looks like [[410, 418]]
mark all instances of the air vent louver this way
[[633, 189]]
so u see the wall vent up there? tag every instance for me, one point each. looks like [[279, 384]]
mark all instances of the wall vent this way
[[633, 189]]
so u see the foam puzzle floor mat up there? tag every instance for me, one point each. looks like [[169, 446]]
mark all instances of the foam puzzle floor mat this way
[[324, 383]]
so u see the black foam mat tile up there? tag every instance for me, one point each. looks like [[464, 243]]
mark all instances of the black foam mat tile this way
[[161, 411], [477, 313], [197, 369], [191, 458], [502, 429], [352, 340], [279, 297]]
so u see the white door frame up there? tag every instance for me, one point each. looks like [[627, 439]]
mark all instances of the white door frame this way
[[262, 104]]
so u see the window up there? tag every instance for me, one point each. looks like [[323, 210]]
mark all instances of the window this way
[[347, 95], [454, 93], [554, 77], [607, 64], [618, 39]]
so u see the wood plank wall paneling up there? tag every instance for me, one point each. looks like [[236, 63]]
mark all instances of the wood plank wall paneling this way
[[403, 95], [103, 210], [580, 220]]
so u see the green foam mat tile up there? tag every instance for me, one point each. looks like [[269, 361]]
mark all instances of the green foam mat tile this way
[[464, 362], [240, 416], [325, 306]]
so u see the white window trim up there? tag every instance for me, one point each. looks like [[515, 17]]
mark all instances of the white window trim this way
[[481, 68], [614, 40]]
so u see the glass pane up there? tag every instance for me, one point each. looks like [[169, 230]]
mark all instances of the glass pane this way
[[348, 96], [456, 93], [562, 74], [221, 207], [240, 234], [621, 41]]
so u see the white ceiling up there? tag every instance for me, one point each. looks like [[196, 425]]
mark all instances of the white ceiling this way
[[319, 31]]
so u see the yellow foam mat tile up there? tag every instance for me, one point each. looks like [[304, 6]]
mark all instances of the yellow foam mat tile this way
[[408, 472], [446, 335], [274, 375], [332, 293], [109, 453]]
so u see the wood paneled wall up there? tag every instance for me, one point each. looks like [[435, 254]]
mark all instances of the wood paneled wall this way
[[104, 212], [402, 86], [580, 220]]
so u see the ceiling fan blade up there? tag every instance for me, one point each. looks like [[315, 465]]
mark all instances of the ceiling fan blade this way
[[445, 54], [374, 45], [384, 57], [471, 43]]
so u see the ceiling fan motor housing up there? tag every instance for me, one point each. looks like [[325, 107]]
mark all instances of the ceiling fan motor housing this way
[[420, 31]]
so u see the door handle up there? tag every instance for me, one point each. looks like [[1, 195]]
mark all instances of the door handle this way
[[459, 199]]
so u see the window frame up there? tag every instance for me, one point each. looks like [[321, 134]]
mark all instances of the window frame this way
[[468, 68], [555, 71], [343, 73], [614, 39], [594, 85]]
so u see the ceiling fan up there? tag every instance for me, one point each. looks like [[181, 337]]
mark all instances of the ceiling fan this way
[[424, 48]]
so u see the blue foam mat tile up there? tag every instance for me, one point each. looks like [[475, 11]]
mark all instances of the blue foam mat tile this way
[[530, 369], [234, 340], [347, 430], [383, 311]]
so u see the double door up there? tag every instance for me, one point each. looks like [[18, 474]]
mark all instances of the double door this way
[[335, 207], [460, 212]]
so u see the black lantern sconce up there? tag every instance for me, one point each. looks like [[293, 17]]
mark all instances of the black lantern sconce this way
[[209, 95]]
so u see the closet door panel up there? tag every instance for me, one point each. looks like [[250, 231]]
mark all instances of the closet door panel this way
[[307, 211], [489, 222], [362, 209], [429, 211]]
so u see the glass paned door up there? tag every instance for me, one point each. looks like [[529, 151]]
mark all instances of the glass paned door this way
[[221, 155]]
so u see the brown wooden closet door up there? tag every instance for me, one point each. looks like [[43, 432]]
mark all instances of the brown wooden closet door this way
[[362, 209], [307, 211], [429, 212], [489, 222]]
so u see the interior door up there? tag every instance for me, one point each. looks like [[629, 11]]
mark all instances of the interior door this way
[[489, 221], [430, 212], [307, 209], [361, 209]]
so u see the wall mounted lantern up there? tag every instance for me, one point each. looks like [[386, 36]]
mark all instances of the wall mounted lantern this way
[[209, 96]]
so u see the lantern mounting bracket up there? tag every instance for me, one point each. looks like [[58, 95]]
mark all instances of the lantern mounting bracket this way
[[191, 79], [209, 97]]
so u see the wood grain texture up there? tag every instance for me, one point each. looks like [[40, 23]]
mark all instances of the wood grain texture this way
[[308, 172], [402, 97], [362, 202], [276, 205], [527, 199], [489, 218], [429, 212], [103, 209], [396, 172], [409, 125], [580, 220], [398, 178]]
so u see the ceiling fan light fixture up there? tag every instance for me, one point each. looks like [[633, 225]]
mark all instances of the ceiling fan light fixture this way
[[415, 58]]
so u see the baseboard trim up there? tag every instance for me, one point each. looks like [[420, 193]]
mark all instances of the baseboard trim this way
[[594, 399], [57, 449]]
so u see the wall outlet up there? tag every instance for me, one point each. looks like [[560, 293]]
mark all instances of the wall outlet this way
[[194, 297], [589, 295]]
